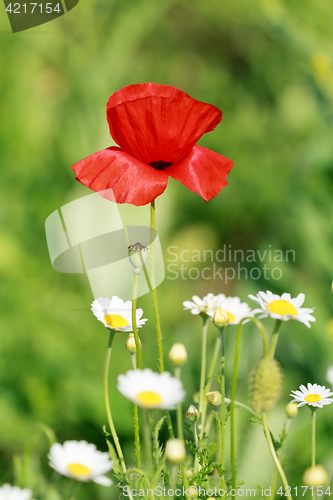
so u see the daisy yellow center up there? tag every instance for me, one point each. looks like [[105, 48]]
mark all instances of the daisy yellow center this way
[[78, 470], [282, 307], [149, 399], [115, 321], [230, 316], [312, 398]]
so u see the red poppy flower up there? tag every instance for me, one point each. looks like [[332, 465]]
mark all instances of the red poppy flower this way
[[156, 127]]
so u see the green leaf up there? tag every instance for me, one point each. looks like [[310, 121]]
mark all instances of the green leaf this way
[[114, 457]]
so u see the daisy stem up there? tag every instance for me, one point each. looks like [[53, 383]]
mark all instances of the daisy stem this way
[[263, 333], [222, 336], [313, 438], [178, 371], [195, 432], [147, 439], [73, 490], [107, 401], [275, 476], [154, 294], [275, 337], [232, 405], [273, 453], [136, 360], [203, 365], [134, 325], [202, 382], [208, 385]]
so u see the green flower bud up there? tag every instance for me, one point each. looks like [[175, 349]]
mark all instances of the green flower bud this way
[[178, 354], [291, 410], [175, 450], [221, 318], [265, 384], [192, 414], [315, 476], [214, 398], [130, 344]]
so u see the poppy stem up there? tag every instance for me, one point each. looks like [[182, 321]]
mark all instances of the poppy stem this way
[[154, 294], [107, 401]]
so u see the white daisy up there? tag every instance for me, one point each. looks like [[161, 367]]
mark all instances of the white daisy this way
[[283, 307], [151, 390], [205, 306], [8, 492], [329, 375], [81, 461], [116, 314], [315, 395], [235, 309]]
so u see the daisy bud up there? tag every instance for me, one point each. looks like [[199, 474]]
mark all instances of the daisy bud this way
[[291, 410], [137, 254], [315, 476], [193, 492], [130, 344], [175, 450], [192, 414], [189, 473], [214, 398], [178, 354], [266, 385], [220, 318]]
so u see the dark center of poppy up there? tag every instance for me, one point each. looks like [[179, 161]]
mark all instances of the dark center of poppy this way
[[160, 165]]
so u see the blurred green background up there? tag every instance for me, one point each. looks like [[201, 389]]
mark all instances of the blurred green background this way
[[269, 66]]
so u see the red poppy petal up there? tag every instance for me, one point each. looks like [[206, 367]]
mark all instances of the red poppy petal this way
[[158, 123], [131, 180], [202, 171]]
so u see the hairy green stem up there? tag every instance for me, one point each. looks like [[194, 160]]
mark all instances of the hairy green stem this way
[[232, 406], [134, 325], [275, 337], [313, 443], [262, 332], [147, 439], [154, 294], [273, 453], [178, 372], [107, 401], [203, 364], [222, 335], [208, 384], [275, 476], [136, 277]]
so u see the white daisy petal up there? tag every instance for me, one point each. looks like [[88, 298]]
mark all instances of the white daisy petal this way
[[314, 395], [9, 492], [81, 461], [283, 307], [205, 306], [151, 390], [116, 314]]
